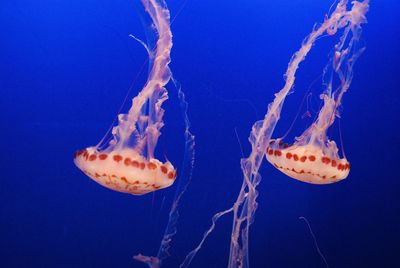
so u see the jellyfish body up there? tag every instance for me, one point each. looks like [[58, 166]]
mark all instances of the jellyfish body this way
[[307, 163], [314, 158], [127, 164], [125, 171]]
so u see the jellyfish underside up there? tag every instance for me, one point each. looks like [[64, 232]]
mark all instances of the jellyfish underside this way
[[306, 163], [125, 170]]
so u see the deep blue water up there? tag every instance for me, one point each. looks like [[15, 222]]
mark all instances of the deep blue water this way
[[66, 66]]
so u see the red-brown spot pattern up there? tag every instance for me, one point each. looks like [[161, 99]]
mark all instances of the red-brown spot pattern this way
[[151, 165], [171, 175], [303, 172], [112, 179], [117, 158], [325, 160], [103, 156], [164, 169], [127, 161], [134, 163]]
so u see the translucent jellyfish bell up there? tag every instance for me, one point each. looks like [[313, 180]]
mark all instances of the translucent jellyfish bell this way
[[125, 170], [307, 163]]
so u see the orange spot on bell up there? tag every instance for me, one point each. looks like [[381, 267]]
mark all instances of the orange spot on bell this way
[[134, 163], [164, 169], [285, 145], [78, 153], [172, 174], [278, 153], [334, 164], [151, 165], [92, 157], [303, 158], [288, 155], [295, 157], [346, 166], [340, 167], [325, 160], [142, 165], [103, 156], [117, 158], [127, 161], [311, 158]]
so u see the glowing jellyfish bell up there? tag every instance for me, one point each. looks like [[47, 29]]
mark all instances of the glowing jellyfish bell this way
[[313, 158], [127, 164], [125, 170]]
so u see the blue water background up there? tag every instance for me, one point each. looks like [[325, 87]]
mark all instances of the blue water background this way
[[66, 66]]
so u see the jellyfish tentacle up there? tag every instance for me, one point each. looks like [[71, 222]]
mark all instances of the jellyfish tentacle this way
[[149, 51]]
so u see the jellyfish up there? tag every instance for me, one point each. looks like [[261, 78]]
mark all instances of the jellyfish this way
[[313, 156], [128, 164], [313, 142]]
